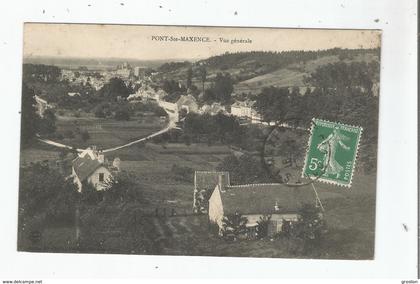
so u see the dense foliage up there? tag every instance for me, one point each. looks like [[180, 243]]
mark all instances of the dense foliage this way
[[44, 191], [31, 122], [114, 89], [244, 169]]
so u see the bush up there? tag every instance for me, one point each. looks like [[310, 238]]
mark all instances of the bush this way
[[262, 227], [183, 173], [84, 134], [89, 194], [234, 226], [310, 228], [122, 188], [122, 114]]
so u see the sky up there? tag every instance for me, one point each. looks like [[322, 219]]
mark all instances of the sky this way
[[135, 42]]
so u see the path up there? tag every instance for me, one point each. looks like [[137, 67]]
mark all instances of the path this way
[[173, 118]]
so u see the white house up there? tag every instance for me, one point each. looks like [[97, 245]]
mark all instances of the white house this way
[[241, 109], [90, 167], [246, 110], [254, 201]]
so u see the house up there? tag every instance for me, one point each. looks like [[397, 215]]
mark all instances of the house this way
[[241, 109], [90, 167], [245, 109], [213, 109], [204, 184], [256, 118], [254, 201], [41, 105], [187, 102]]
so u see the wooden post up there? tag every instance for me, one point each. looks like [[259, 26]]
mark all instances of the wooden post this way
[[317, 198]]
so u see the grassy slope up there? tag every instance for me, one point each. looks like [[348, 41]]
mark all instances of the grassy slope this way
[[107, 132], [293, 75]]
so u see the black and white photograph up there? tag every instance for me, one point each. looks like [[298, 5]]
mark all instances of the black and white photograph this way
[[199, 141]]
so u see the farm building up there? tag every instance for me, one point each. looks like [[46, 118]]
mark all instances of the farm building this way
[[204, 184], [246, 110], [90, 167], [255, 201], [187, 102]]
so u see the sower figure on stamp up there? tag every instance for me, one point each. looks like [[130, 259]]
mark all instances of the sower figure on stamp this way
[[329, 148]]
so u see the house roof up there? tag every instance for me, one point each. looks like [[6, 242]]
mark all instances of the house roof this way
[[243, 104], [85, 166], [209, 180], [262, 198]]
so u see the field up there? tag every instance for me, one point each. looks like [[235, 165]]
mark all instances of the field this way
[[106, 133]]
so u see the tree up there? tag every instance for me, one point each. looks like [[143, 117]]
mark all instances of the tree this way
[[189, 77], [244, 169], [29, 118], [102, 110], [84, 135], [43, 190], [262, 227], [203, 76], [122, 188], [115, 88], [89, 194], [122, 113], [273, 103], [234, 226], [310, 226], [223, 87], [47, 122]]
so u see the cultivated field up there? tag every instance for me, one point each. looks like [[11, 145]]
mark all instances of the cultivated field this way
[[105, 132]]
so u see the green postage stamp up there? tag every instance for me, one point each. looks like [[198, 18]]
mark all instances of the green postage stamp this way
[[332, 152]]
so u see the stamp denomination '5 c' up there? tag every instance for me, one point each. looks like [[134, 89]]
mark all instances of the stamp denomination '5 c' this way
[[332, 152]]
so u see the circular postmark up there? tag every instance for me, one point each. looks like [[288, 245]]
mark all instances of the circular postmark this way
[[283, 154]]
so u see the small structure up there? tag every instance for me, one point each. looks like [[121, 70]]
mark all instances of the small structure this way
[[204, 184], [246, 110], [41, 105], [187, 102], [73, 94], [90, 167], [213, 109], [255, 201]]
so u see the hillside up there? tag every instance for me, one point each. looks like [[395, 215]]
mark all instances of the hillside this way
[[294, 74], [252, 71]]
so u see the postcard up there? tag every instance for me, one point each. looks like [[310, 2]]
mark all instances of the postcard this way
[[199, 141]]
